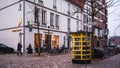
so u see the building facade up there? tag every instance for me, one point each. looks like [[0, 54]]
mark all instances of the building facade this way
[[100, 18], [56, 18]]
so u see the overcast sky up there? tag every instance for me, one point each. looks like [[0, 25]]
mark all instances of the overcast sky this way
[[114, 19]]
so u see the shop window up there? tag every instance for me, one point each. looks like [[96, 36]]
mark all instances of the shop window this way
[[56, 41]]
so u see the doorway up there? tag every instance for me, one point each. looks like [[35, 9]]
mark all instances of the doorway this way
[[47, 44], [47, 40]]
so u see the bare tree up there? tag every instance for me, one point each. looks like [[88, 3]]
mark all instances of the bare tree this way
[[97, 7]]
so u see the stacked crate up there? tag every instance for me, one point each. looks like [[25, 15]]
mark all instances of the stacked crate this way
[[81, 46]]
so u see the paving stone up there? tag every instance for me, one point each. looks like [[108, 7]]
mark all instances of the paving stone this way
[[54, 61]]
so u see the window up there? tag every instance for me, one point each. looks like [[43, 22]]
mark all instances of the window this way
[[52, 19], [88, 10], [89, 20], [85, 18], [57, 21], [54, 4], [20, 7], [85, 28], [77, 25], [96, 32], [56, 41], [68, 24], [101, 32], [68, 8], [43, 17]]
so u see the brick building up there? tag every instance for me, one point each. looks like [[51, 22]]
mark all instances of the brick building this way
[[95, 14]]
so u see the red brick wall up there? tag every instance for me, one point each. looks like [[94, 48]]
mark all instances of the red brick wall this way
[[79, 3]]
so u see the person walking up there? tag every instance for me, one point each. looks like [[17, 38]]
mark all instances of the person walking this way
[[19, 47]]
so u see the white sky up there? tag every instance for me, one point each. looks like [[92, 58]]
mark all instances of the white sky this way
[[114, 19]]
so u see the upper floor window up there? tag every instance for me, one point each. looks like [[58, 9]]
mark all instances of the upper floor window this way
[[20, 7], [85, 28], [96, 32], [77, 25], [89, 20], [85, 18], [52, 19], [68, 24], [57, 21], [88, 10], [44, 17], [69, 8], [54, 4]]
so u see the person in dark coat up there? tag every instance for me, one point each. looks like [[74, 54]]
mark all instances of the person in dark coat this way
[[19, 47], [29, 49]]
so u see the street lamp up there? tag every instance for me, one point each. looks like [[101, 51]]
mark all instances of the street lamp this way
[[38, 38], [49, 44]]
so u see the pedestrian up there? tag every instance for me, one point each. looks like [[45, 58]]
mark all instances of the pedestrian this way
[[19, 47], [29, 49]]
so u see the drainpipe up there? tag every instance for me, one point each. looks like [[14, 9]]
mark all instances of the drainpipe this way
[[24, 26]]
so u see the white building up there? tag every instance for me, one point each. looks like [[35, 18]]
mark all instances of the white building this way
[[58, 15]]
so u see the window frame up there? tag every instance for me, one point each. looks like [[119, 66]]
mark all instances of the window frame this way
[[52, 19], [57, 21], [44, 17]]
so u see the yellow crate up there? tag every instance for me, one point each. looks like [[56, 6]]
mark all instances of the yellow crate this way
[[80, 49]]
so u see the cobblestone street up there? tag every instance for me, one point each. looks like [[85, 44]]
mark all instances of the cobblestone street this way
[[53, 61]]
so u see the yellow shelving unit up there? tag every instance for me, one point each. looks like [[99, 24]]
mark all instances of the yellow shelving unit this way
[[81, 46]]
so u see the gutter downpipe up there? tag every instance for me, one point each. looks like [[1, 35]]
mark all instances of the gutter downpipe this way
[[24, 26]]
